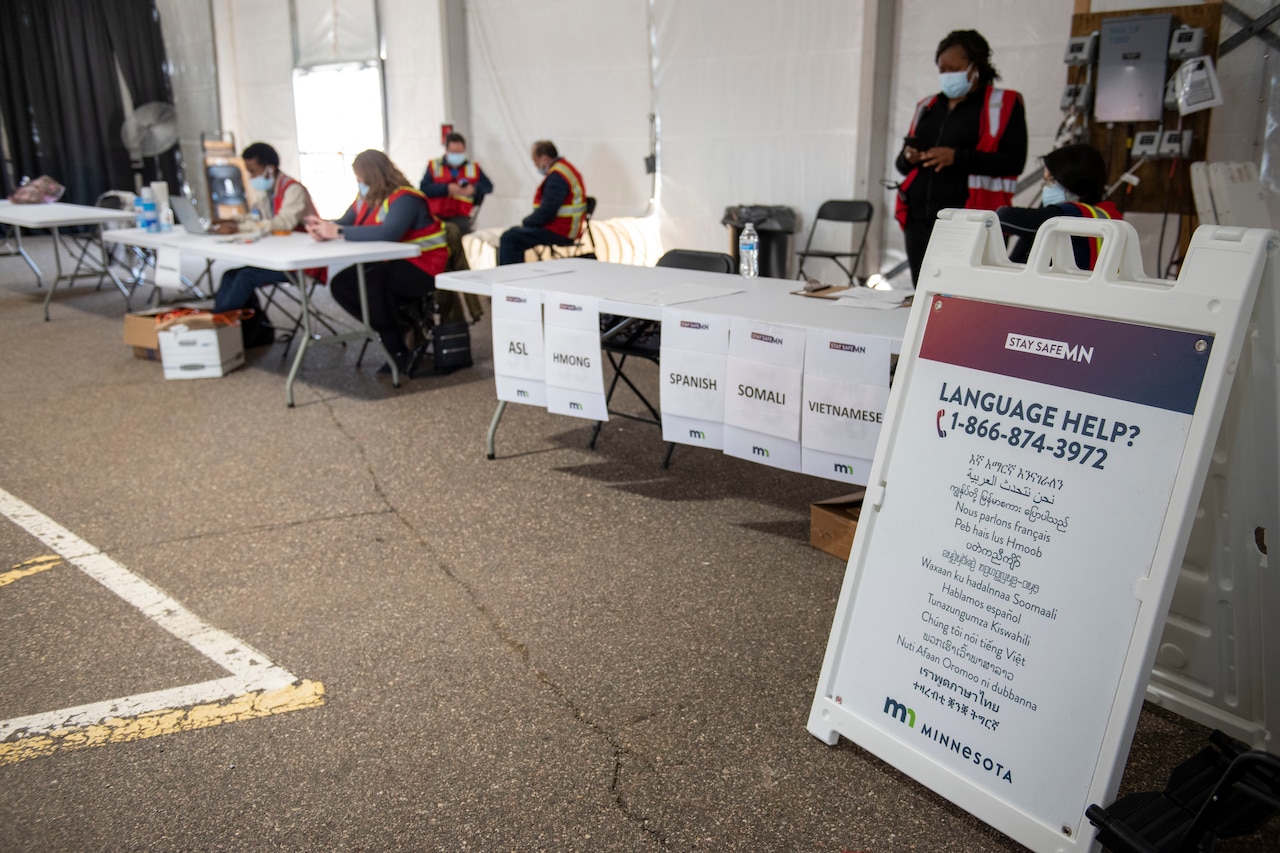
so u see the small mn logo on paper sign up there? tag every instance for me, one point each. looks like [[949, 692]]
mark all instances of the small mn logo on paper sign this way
[[1048, 348]]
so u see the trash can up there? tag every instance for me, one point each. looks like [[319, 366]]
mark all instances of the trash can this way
[[775, 225]]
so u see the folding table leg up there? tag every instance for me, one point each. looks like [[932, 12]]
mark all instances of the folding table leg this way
[[493, 429]]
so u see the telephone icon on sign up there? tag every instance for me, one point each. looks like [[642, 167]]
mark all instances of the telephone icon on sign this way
[[942, 433]]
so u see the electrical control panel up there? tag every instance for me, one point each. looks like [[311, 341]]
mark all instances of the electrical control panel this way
[[1081, 50], [1133, 55], [1175, 143], [1146, 143], [1186, 42], [1076, 95]]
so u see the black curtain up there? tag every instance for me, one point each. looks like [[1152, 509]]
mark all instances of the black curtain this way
[[60, 93]]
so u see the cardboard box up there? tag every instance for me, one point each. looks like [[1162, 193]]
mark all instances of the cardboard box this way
[[832, 523], [140, 333], [200, 353]]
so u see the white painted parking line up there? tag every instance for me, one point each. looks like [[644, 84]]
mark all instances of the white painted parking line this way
[[256, 686]]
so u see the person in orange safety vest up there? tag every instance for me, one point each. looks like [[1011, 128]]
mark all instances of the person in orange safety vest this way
[[454, 185], [560, 207]]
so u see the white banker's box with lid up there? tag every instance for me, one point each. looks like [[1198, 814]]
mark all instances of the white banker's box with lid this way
[[200, 353]]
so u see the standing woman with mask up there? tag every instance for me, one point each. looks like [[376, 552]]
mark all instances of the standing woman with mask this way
[[966, 145], [388, 208]]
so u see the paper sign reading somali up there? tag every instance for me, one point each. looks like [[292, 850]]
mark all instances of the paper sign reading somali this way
[[763, 398]]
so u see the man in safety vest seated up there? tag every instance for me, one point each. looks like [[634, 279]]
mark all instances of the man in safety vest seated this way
[[284, 204], [454, 185], [1075, 180], [560, 208]]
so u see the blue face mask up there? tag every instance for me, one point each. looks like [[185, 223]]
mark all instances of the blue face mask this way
[[1053, 194], [454, 158], [262, 183], [955, 84], [364, 189]]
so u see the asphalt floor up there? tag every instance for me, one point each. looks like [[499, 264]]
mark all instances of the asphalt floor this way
[[560, 649]]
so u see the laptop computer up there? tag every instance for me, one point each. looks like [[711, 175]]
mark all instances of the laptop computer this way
[[187, 215]]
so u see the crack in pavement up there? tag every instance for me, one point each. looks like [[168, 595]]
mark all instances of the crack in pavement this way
[[620, 752]]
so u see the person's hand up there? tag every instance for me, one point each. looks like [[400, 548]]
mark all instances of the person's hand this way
[[224, 226], [938, 158], [911, 155], [321, 229]]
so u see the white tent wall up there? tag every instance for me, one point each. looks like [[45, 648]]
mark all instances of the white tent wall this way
[[572, 71], [255, 72], [758, 104]]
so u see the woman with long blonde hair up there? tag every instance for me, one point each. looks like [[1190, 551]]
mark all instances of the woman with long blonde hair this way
[[387, 208]]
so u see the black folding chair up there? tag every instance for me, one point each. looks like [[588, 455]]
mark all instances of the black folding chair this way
[[855, 213], [1223, 791], [574, 249], [625, 337]]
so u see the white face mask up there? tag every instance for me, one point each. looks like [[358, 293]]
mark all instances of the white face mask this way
[[955, 84]]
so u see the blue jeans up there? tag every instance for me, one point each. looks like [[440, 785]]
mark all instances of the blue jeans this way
[[516, 241], [238, 286]]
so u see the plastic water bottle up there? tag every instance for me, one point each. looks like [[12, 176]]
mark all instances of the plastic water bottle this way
[[166, 219], [149, 219], [139, 221], [749, 252]]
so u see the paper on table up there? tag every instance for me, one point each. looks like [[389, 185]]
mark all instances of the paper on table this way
[[682, 293], [515, 272], [868, 297]]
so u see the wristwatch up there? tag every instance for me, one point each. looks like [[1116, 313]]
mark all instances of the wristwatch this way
[[339, 230]]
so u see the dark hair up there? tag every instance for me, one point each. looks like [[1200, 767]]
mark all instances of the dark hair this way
[[263, 153], [455, 137], [545, 148], [1080, 169], [979, 52]]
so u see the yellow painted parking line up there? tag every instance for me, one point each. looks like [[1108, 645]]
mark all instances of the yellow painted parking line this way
[[27, 568], [255, 687], [166, 721]]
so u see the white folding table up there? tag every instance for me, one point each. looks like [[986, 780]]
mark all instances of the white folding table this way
[[55, 216], [635, 291], [291, 255]]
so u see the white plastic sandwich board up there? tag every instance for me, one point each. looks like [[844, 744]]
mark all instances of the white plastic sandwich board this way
[[575, 381], [518, 363], [1219, 657], [846, 388], [764, 377], [1038, 472], [695, 348]]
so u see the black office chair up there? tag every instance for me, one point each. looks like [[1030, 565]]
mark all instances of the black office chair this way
[[855, 213], [1223, 791], [625, 337], [574, 250]]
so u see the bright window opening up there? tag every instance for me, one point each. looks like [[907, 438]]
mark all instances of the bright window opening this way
[[339, 113]]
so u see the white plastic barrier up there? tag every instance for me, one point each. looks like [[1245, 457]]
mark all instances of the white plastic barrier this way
[[1034, 490]]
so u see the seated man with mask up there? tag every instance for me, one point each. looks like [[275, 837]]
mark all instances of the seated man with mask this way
[[559, 207], [455, 186], [288, 203]]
